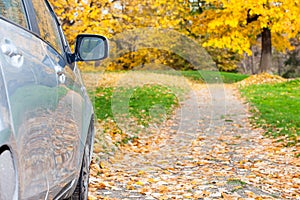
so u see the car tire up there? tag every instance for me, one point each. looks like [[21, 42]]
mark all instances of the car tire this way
[[81, 190]]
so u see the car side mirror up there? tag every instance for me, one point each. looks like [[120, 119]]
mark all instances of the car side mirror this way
[[90, 47]]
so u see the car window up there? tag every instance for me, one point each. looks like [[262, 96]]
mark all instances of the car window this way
[[14, 11], [47, 24]]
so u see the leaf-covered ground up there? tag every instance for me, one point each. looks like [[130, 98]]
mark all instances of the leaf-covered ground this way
[[207, 150], [277, 110]]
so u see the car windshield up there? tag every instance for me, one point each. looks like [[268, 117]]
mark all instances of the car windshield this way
[[14, 11]]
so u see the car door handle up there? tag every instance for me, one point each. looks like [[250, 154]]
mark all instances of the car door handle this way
[[12, 54], [10, 50], [61, 77], [60, 74]]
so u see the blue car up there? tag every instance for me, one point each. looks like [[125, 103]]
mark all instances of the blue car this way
[[46, 116]]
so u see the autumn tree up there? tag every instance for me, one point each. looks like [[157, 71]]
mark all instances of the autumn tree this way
[[236, 24], [112, 18]]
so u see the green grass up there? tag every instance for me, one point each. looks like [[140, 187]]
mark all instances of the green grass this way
[[101, 98], [278, 107], [152, 103], [203, 76], [214, 76], [146, 104], [235, 182]]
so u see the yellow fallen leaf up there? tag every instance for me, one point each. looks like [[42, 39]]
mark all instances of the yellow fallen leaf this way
[[97, 148], [205, 193], [151, 180], [194, 182], [101, 186], [141, 172], [163, 189], [101, 165], [226, 196], [130, 187], [144, 190], [139, 183], [238, 187], [91, 197]]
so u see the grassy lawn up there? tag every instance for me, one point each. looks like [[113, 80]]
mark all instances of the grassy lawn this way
[[150, 101], [203, 76], [146, 104], [214, 76], [278, 108]]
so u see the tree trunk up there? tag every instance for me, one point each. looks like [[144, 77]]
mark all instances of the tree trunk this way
[[252, 61], [279, 65], [266, 52]]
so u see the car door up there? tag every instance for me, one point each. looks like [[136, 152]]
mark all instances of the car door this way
[[31, 85], [41, 98], [28, 98], [74, 110]]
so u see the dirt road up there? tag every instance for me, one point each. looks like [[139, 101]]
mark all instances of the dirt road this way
[[208, 150]]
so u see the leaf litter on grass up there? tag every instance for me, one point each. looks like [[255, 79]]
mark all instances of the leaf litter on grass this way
[[229, 160], [263, 78], [116, 127]]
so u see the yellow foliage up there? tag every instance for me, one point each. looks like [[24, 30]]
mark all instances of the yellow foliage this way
[[223, 24], [227, 25], [114, 18]]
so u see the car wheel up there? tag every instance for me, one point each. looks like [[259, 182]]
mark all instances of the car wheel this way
[[81, 191]]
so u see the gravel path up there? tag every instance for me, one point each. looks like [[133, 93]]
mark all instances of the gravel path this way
[[208, 150]]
